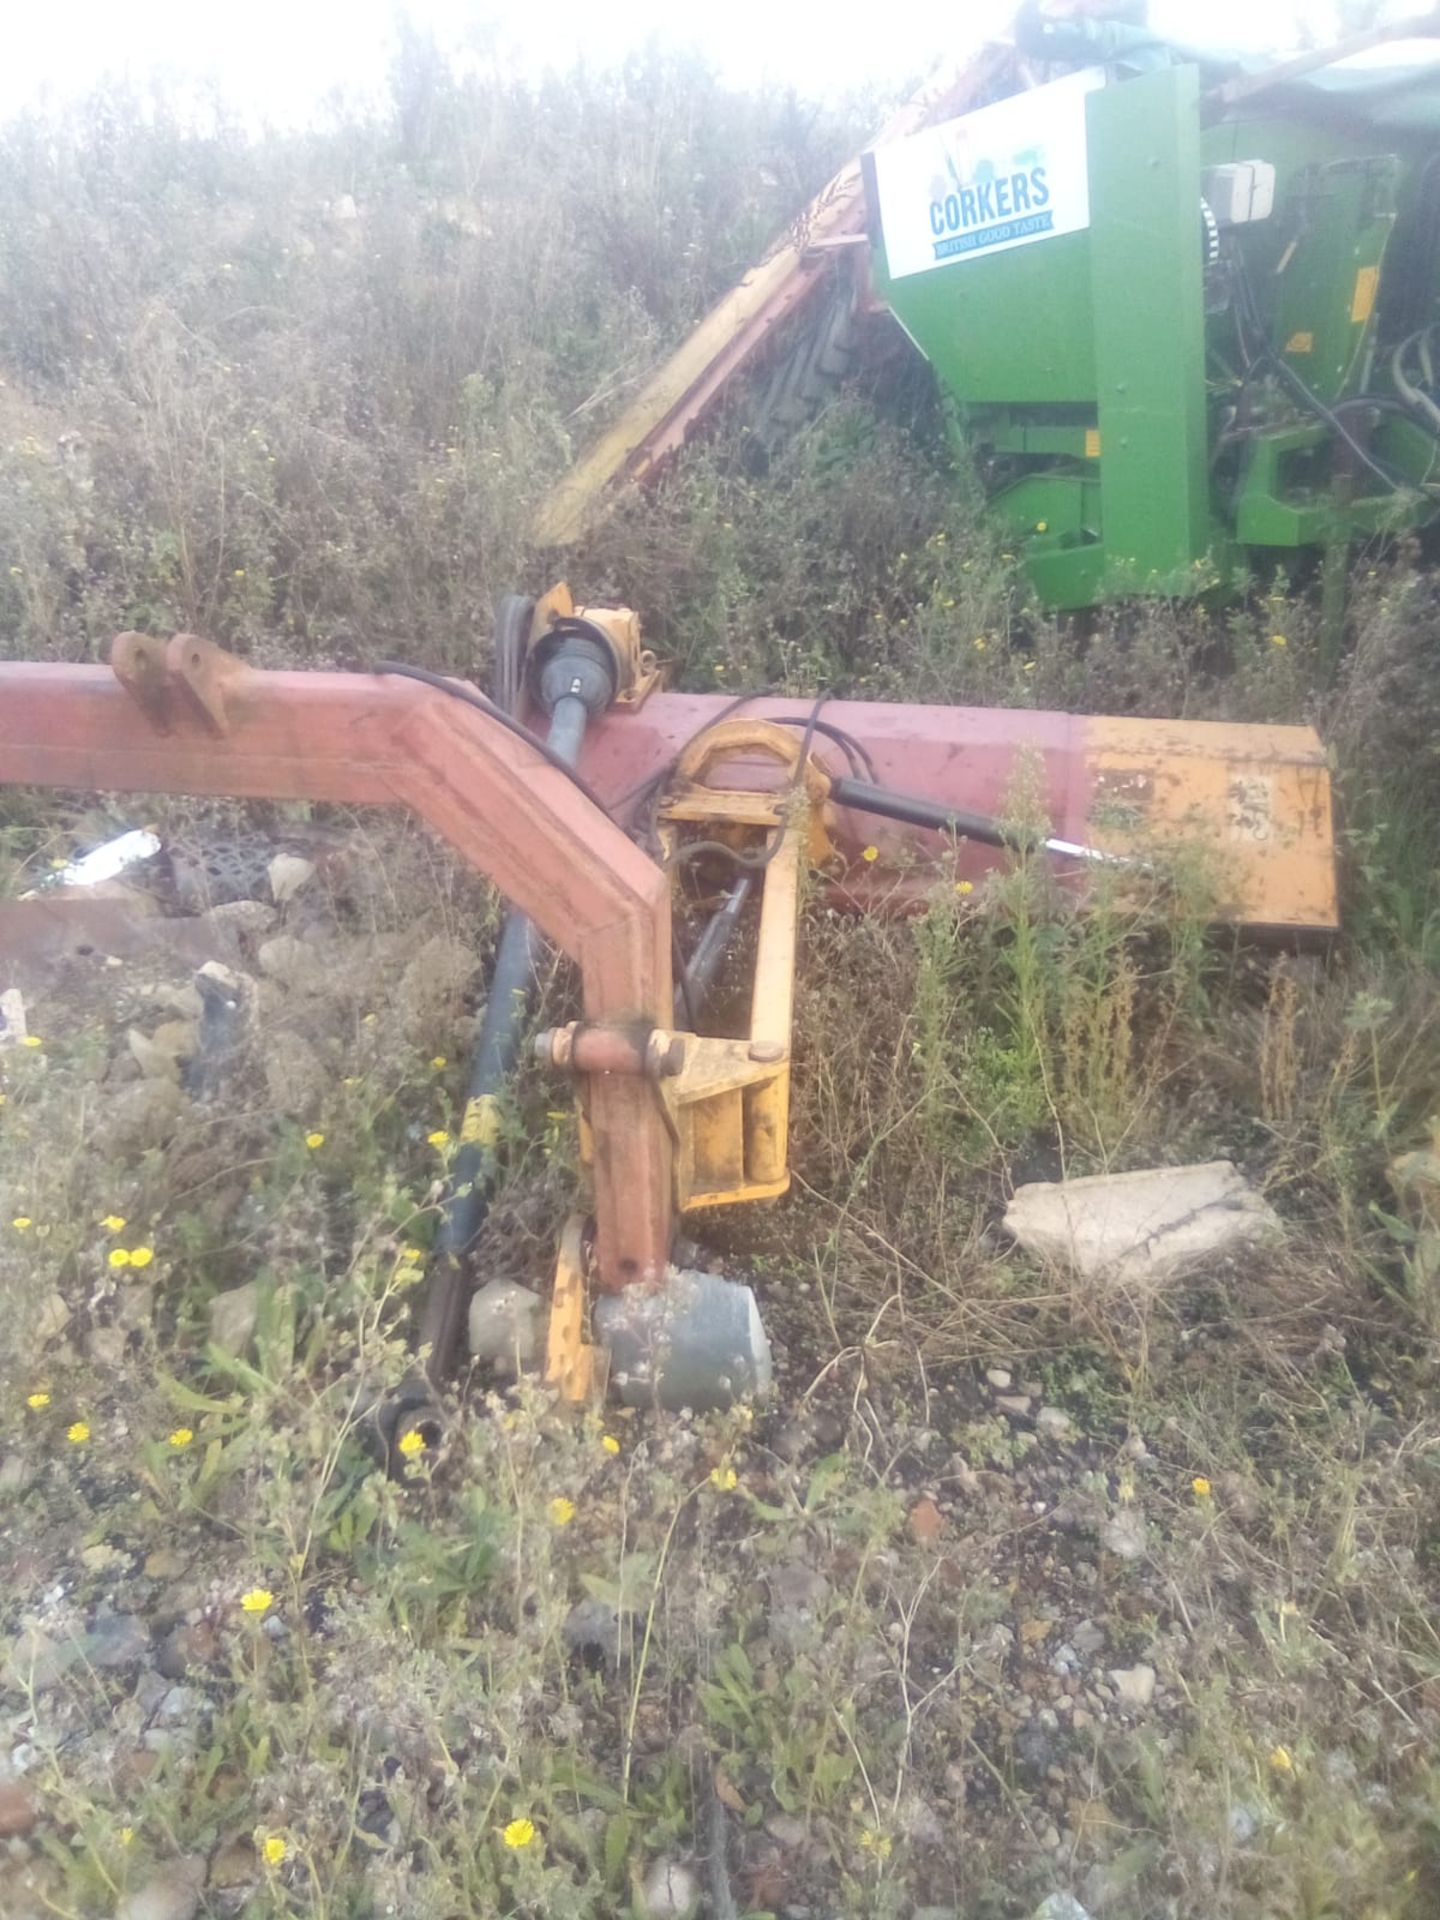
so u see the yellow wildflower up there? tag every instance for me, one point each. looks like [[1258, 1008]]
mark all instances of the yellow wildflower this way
[[274, 1850], [412, 1256], [1278, 640], [32, 1040], [1201, 1487], [127, 1834], [439, 1138], [979, 645], [519, 1833], [114, 1223], [180, 1437], [1042, 526], [1281, 1761], [77, 1434], [610, 1443], [1029, 667], [314, 1140], [411, 1443], [35, 1401], [439, 1061], [964, 888], [119, 1257], [562, 1511], [22, 1223], [878, 1844], [141, 1256], [871, 853], [725, 1478], [257, 1600]]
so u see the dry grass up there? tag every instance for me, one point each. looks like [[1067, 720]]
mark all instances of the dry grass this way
[[872, 1674]]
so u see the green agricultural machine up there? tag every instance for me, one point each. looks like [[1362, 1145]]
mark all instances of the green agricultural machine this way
[[1188, 317], [1184, 309]]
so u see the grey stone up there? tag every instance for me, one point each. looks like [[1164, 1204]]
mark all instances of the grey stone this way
[[1134, 1686], [52, 1316], [171, 1893], [592, 1629], [1060, 1906], [1138, 1228], [303, 966], [233, 1316], [288, 873], [35, 1661], [240, 916], [138, 1118], [998, 1378], [1123, 1534], [18, 1472], [505, 1325], [181, 1706], [1052, 1421], [158, 1055], [788, 1829], [669, 1892], [116, 1640], [105, 1346], [795, 1586], [1243, 1824]]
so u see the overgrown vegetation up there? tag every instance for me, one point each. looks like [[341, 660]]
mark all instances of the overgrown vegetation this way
[[299, 394]]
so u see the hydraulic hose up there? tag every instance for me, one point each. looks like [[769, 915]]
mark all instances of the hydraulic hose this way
[[497, 1052], [913, 811], [712, 947]]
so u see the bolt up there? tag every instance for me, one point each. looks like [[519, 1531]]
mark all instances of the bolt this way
[[765, 1053], [664, 1055]]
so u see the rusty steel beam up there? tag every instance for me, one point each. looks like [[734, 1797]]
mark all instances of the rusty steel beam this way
[[1257, 796], [362, 740]]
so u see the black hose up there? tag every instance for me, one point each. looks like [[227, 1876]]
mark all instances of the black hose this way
[[914, 811], [1260, 351], [466, 1204], [513, 619], [472, 697], [710, 949]]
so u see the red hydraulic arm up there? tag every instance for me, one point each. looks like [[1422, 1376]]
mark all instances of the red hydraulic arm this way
[[188, 718], [185, 717]]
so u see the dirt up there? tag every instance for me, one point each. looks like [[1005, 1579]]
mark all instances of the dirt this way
[[924, 1635]]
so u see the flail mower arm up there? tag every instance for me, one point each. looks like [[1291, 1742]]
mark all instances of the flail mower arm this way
[[188, 718]]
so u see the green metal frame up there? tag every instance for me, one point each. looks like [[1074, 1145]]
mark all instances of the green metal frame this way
[[1086, 366]]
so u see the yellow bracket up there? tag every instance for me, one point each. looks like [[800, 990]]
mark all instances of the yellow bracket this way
[[729, 1106], [575, 1369], [731, 1100], [640, 672]]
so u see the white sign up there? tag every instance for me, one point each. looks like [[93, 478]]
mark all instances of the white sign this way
[[1001, 177]]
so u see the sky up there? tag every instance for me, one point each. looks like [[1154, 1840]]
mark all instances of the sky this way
[[277, 60]]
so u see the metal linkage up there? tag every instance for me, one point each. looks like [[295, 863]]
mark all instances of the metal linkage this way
[[185, 717]]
